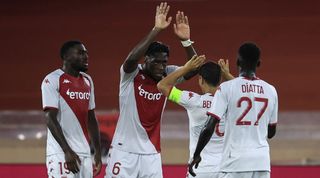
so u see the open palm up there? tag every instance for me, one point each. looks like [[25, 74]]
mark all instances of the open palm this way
[[161, 20], [181, 27]]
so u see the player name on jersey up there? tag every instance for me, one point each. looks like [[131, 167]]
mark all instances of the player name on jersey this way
[[248, 88]]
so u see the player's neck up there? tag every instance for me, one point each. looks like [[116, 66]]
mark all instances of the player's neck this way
[[69, 70], [247, 73], [209, 89]]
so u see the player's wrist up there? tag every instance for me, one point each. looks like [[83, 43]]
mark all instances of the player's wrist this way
[[156, 29], [186, 43]]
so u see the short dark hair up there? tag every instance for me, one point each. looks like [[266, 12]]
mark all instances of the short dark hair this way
[[67, 45], [211, 73], [157, 47], [249, 53]]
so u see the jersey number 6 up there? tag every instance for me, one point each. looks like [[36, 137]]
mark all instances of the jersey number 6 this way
[[249, 106]]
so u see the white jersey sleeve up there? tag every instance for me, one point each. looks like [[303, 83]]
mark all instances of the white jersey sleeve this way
[[274, 114], [124, 77], [220, 103], [186, 99], [172, 68], [50, 92]]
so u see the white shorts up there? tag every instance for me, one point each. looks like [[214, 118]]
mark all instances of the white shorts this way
[[249, 174], [56, 167], [204, 175], [121, 164]]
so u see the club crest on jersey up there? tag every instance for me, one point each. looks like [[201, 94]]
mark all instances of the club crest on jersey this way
[[148, 95], [78, 95]]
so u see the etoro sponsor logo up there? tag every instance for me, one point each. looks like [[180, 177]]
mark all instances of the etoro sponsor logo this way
[[78, 95], [148, 95]]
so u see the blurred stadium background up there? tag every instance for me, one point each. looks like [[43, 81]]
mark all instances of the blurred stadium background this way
[[32, 32]]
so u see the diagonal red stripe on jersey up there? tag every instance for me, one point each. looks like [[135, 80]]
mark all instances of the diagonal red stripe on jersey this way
[[150, 104], [77, 95]]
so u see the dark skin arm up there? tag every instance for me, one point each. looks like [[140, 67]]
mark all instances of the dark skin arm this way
[[94, 133], [161, 23], [182, 30], [71, 158], [204, 138], [272, 130]]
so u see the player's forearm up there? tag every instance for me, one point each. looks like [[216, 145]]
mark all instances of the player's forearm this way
[[228, 76], [169, 81], [94, 132], [139, 50], [56, 131], [190, 51], [205, 136]]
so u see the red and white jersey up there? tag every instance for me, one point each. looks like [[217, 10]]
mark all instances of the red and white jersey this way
[[197, 107], [141, 109], [249, 106], [73, 97]]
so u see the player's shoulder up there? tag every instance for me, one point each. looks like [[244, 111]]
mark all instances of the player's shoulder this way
[[192, 94], [55, 73], [135, 72], [267, 84], [229, 82], [207, 96], [171, 68], [53, 76], [86, 75]]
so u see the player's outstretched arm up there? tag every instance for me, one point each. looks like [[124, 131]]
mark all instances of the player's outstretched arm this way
[[204, 138], [165, 85], [71, 158], [161, 23], [94, 133], [182, 31], [225, 70]]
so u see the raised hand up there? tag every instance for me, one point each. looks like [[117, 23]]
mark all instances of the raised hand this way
[[161, 21], [195, 162], [181, 27], [225, 71], [224, 64], [195, 62]]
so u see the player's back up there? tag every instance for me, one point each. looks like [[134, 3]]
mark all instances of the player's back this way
[[251, 107], [197, 107]]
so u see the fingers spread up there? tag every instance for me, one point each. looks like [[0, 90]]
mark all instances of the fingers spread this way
[[186, 20]]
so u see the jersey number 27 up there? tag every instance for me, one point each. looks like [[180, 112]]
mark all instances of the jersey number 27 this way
[[249, 106]]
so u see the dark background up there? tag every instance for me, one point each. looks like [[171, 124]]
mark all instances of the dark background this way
[[32, 32]]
